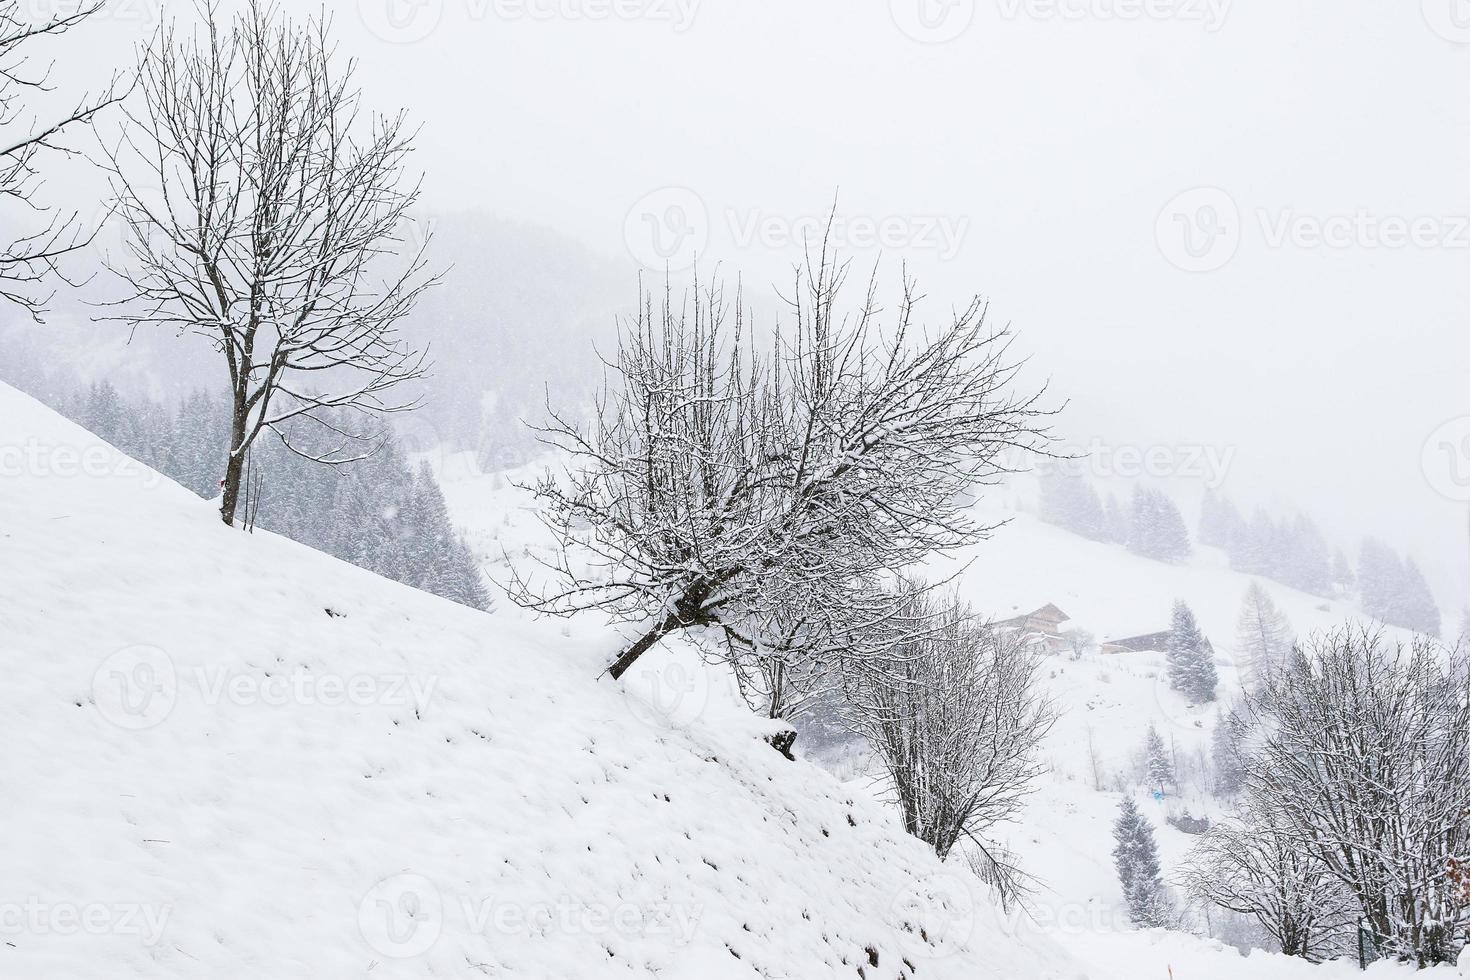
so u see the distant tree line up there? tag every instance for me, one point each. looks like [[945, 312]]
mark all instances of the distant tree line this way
[[1149, 524], [378, 513], [1389, 587]]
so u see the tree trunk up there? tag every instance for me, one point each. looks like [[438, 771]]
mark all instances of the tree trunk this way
[[688, 611], [234, 463], [644, 643]]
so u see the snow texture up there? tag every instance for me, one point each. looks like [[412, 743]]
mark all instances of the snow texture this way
[[229, 756]]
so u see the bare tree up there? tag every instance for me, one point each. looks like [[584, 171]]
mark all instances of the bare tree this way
[[1256, 866], [1363, 750], [736, 485], [264, 212], [28, 133], [956, 716], [1094, 762], [1079, 641]]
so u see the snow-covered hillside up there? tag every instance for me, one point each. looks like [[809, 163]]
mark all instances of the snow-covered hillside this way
[[1107, 703], [229, 756]]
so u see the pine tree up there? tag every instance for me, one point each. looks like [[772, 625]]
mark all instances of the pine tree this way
[[1417, 609], [469, 588], [1116, 520], [1156, 755], [1308, 567], [1343, 578], [1206, 678], [1394, 590], [1227, 749], [1185, 640], [1136, 857], [1263, 636], [105, 416], [1069, 501], [1260, 548], [1220, 523], [1157, 528], [1090, 521], [1380, 580]]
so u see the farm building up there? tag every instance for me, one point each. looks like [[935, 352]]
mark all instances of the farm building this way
[[1138, 644], [1042, 628]]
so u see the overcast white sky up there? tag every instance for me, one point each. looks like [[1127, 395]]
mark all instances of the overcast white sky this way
[[1194, 212]]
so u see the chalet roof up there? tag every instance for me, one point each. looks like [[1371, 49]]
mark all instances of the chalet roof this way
[[1138, 644], [1048, 613], [1051, 612]]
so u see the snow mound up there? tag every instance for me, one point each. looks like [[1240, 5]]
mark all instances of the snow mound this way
[[227, 755]]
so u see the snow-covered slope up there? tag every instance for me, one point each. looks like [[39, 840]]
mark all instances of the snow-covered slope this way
[[1106, 702], [227, 756]]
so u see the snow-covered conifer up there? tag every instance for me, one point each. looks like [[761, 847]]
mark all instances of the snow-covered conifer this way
[[1156, 528], [1190, 659], [1157, 760], [1136, 857]]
